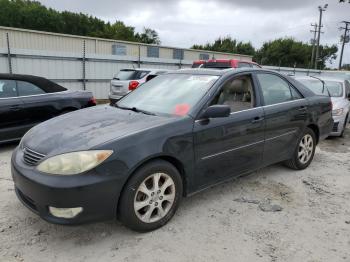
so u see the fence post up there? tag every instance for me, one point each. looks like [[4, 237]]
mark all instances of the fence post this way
[[9, 53], [84, 65], [139, 57]]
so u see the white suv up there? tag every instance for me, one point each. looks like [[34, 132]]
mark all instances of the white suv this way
[[129, 79]]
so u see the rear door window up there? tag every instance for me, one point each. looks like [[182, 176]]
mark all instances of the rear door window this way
[[8, 88], [28, 89], [275, 90]]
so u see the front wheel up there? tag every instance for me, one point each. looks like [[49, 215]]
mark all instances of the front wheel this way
[[304, 152], [151, 197]]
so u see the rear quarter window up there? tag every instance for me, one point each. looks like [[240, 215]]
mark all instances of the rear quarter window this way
[[28, 89]]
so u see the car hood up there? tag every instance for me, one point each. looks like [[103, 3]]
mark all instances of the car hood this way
[[88, 128]]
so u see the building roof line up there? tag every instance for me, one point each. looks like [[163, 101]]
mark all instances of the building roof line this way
[[114, 40]]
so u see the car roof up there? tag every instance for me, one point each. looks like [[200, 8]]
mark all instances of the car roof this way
[[217, 72], [327, 78], [146, 69], [45, 84], [332, 79]]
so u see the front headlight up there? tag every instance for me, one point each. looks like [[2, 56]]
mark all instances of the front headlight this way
[[73, 163], [337, 112]]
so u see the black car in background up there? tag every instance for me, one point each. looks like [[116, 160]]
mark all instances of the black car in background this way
[[28, 100], [173, 136]]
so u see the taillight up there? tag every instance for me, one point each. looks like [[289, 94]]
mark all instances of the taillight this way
[[133, 85], [92, 101]]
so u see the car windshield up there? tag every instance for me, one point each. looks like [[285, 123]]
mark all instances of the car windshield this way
[[170, 94], [315, 86], [130, 74], [335, 88]]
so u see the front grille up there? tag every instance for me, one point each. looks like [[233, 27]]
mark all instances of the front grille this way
[[335, 127], [31, 157]]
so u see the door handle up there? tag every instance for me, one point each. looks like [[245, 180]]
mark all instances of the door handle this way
[[302, 108], [257, 119]]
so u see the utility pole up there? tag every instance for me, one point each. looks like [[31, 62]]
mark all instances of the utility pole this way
[[321, 9], [344, 40], [313, 42]]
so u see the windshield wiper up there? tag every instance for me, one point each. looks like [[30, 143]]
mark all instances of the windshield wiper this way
[[137, 110]]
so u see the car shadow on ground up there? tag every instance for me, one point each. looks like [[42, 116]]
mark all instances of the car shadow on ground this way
[[230, 190]]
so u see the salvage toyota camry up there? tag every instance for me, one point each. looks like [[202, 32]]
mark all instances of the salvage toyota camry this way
[[173, 136]]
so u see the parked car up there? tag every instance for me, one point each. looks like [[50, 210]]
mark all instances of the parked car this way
[[339, 91], [28, 100], [128, 80], [223, 64], [198, 63], [178, 134]]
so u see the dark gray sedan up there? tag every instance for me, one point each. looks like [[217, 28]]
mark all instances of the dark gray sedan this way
[[175, 135], [27, 100]]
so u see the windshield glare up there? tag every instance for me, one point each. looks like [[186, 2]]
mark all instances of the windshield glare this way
[[170, 94], [335, 88], [314, 85]]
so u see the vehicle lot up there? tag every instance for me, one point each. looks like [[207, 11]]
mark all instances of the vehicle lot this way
[[225, 223]]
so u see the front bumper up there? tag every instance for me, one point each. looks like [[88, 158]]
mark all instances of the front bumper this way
[[97, 194], [338, 125]]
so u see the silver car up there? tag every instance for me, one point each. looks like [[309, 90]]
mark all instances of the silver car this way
[[129, 79], [339, 91]]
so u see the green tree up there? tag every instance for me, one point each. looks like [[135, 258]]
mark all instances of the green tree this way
[[34, 15], [289, 53], [229, 45], [148, 36]]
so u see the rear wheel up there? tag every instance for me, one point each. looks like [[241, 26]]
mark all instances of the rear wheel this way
[[304, 152], [151, 197]]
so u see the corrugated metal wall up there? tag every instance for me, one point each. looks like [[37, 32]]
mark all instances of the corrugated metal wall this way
[[63, 58]]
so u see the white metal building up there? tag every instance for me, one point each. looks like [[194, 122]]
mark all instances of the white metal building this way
[[78, 62]]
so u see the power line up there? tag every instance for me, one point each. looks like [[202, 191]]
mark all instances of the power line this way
[[345, 39]]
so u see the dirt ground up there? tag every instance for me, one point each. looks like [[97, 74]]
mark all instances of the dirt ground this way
[[309, 220]]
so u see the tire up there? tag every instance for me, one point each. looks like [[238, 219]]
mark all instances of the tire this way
[[143, 205], [302, 157]]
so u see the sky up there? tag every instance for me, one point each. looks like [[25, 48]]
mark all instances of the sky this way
[[182, 23]]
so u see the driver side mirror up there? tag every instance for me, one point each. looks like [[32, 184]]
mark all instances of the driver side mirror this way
[[216, 111]]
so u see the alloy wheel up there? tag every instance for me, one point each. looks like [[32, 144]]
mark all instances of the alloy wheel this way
[[154, 197], [305, 150]]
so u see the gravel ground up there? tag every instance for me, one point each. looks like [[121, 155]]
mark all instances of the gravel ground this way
[[275, 214]]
